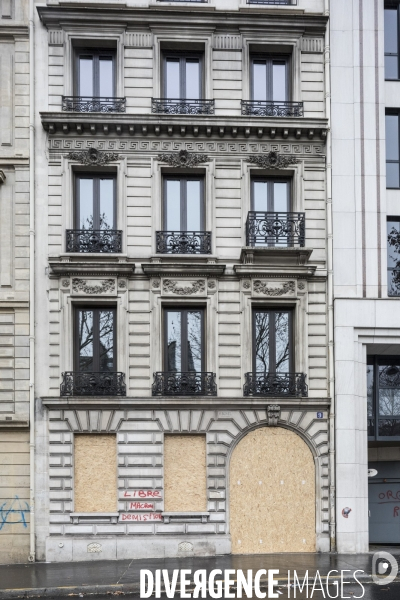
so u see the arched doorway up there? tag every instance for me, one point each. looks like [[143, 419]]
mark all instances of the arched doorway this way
[[272, 493]]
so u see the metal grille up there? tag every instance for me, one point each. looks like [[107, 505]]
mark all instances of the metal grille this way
[[187, 383], [88, 104], [275, 385], [94, 240], [183, 242], [275, 229], [106, 383], [261, 108], [176, 106], [287, 2]]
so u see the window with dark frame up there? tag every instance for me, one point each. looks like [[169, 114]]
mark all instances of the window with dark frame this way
[[270, 194], [391, 39], [272, 341], [95, 73], [393, 256], [95, 201], [183, 208], [392, 150], [183, 77], [270, 78], [184, 340], [383, 397], [95, 339]]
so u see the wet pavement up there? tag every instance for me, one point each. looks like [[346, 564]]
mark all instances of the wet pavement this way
[[107, 579]]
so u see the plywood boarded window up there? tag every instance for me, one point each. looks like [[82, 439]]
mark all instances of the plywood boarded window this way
[[185, 473], [95, 485]]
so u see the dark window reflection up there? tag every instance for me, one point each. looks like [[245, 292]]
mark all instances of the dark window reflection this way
[[392, 151], [391, 43], [184, 340], [95, 202], [270, 79], [96, 340], [393, 256], [383, 395], [272, 335]]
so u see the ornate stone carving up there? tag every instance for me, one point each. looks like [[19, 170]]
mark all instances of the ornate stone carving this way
[[122, 284], [183, 158], [65, 283], [174, 288], [212, 285], [247, 284], [272, 160], [81, 285], [261, 287], [156, 284], [2, 176], [94, 547], [301, 285], [92, 156], [273, 414]]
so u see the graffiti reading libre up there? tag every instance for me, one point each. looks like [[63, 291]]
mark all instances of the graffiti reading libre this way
[[142, 494], [14, 512]]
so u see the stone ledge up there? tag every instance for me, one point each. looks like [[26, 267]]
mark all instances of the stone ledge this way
[[94, 517], [183, 267], [283, 256], [185, 516], [87, 264]]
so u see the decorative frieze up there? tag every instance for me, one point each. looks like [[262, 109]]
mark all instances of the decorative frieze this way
[[262, 287], [138, 39], [183, 158], [85, 286], [312, 45], [176, 287], [227, 41], [92, 156], [56, 37], [272, 160]]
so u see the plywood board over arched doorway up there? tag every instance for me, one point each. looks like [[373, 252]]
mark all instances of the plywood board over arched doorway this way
[[272, 493]]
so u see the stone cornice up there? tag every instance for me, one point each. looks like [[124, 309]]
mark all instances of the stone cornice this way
[[182, 269], [166, 126], [13, 31], [84, 265], [90, 16]]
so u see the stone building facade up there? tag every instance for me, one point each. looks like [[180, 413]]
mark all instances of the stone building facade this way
[[365, 94], [184, 328], [14, 282]]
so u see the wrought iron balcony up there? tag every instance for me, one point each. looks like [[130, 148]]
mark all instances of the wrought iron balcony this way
[[183, 242], [86, 104], [287, 2], [105, 383], [275, 229], [94, 240], [274, 385], [177, 106], [265, 108], [187, 383]]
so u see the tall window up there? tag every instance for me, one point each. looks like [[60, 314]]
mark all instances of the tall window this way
[[95, 206], [272, 341], [183, 204], [392, 40], [271, 195], [383, 397], [95, 339], [393, 259], [392, 151], [270, 78], [183, 77], [184, 340], [95, 73]]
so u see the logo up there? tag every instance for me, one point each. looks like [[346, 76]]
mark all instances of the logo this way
[[384, 568]]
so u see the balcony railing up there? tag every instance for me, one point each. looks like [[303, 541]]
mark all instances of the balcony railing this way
[[183, 242], [86, 104], [265, 108], [275, 229], [94, 240], [274, 385], [105, 383], [287, 2], [176, 106], [187, 383]]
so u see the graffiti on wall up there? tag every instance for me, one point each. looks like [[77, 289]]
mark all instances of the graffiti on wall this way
[[13, 512]]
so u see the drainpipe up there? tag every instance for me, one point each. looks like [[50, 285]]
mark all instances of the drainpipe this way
[[32, 549], [330, 290]]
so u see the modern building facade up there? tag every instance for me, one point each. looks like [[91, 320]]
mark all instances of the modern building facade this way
[[365, 121], [15, 494], [184, 297]]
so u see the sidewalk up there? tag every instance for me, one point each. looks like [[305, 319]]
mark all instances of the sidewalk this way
[[57, 580]]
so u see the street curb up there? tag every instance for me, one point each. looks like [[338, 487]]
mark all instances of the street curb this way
[[120, 590]]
